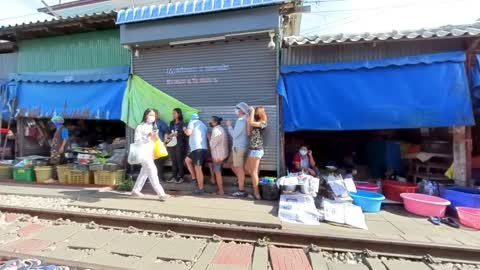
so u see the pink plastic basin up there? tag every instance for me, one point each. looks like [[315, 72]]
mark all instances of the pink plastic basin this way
[[367, 186], [424, 205], [469, 217]]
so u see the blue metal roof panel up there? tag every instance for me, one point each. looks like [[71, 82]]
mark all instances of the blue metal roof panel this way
[[120, 73], [155, 12]]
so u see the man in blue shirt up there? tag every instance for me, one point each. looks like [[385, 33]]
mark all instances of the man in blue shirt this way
[[59, 141], [197, 131], [162, 131]]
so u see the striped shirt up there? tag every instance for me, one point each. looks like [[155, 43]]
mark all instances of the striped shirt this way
[[219, 143]]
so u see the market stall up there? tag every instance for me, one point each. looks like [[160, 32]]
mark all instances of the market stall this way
[[383, 118], [96, 107]]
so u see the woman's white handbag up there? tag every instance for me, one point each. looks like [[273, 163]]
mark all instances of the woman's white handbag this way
[[138, 153], [172, 142]]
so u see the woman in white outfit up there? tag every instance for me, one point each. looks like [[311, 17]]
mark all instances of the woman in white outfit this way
[[146, 134]]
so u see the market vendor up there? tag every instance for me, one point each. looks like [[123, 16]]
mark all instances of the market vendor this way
[[59, 141], [304, 162], [7, 134]]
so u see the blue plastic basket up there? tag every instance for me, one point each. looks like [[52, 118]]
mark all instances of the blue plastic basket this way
[[367, 200], [460, 196]]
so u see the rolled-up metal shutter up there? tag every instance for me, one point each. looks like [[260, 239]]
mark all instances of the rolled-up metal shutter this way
[[215, 76]]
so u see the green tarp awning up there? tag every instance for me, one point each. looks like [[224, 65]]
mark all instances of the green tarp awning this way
[[141, 95]]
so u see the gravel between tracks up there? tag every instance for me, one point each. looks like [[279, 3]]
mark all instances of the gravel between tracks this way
[[66, 205]]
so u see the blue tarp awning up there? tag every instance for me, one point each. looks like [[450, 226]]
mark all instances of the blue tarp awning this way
[[408, 92], [6, 99], [85, 94], [476, 84]]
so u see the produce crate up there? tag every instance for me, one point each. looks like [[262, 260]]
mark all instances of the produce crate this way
[[108, 178], [43, 173], [63, 172], [6, 172], [95, 167], [76, 177], [24, 174]]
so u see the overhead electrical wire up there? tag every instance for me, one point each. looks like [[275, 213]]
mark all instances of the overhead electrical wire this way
[[86, 11], [345, 20]]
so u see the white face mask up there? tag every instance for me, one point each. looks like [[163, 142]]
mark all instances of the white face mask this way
[[150, 119], [303, 152], [237, 111]]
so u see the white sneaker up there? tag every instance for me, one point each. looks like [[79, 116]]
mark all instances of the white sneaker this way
[[164, 197], [137, 194]]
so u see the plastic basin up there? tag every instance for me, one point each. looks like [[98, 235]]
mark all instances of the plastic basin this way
[[392, 189], [367, 200], [367, 186], [469, 217], [424, 205], [460, 196]]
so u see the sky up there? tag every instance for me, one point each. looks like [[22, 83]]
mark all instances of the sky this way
[[326, 16], [360, 16], [18, 11]]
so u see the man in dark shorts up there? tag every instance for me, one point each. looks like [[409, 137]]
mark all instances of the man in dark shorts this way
[[197, 132]]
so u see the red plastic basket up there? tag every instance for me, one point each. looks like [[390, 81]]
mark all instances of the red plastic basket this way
[[367, 186], [392, 189]]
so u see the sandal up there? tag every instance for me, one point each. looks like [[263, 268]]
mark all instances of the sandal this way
[[435, 220], [450, 222]]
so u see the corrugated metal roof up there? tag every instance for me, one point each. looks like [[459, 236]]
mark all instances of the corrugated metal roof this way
[[186, 8], [53, 20], [458, 56], [80, 76], [440, 32]]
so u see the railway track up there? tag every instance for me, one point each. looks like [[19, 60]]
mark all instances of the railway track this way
[[371, 248]]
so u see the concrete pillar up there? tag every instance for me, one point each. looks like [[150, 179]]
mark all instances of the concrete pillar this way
[[462, 155]]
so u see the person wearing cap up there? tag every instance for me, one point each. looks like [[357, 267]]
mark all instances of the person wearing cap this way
[[59, 140], [240, 145], [197, 132]]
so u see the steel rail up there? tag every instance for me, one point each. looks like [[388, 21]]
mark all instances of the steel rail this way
[[401, 248]]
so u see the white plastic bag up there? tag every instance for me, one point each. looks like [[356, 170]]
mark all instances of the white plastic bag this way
[[138, 153]]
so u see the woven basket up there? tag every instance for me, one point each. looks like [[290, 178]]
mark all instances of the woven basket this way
[[6, 172], [76, 177], [63, 172], [43, 173], [108, 178]]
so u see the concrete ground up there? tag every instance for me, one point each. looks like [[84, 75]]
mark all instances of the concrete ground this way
[[392, 223], [109, 248]]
